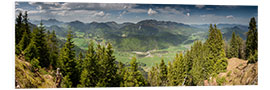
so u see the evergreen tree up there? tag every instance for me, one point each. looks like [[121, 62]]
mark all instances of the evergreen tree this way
[[43, 50], [31, 51], [163, 73], [121, 74], [156, 76], [108, 67], [252, 38], [53, 48], [134, 77], [18, 28], [170, 75], [22, 45], [151, 76], [23, 33], [216, 60], [241, 46], [79, 62], [234, 46], [67, 63], [90, 74], [79, 68], [26, 26], [197, 73], [179, 70]]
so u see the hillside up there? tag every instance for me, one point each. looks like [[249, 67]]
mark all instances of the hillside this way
[[239, 72], [26, 77], [148, 34]]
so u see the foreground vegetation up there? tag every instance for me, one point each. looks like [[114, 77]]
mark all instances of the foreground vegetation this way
[[97, 67]]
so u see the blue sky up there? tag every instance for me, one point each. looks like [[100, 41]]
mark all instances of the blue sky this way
[[123, 12]]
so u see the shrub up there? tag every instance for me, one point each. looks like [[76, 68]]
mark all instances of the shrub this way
[[221, 80]]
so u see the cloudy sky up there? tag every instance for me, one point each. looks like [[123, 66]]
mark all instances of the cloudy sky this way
[[103, 12]]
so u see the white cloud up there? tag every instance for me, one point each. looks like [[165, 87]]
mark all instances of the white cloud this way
[[188, 14], [169, 10], [101, 13], [151, 11], [19, 9], [207, 15], [96, 6], [230, 17], [46, 5], [199, 6], [36, 12], [17, 4]]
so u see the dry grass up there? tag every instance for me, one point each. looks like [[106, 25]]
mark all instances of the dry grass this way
[[25, 78], [239, 72]]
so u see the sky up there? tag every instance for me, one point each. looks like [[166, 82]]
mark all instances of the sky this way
[[130, 12]]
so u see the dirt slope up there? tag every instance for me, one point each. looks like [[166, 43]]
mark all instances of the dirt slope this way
[[26, 78], [239, 72]]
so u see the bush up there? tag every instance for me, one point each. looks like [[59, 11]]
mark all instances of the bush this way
[[253, 58], [221, 81], [229, 73]]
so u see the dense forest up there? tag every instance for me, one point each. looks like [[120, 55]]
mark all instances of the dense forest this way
[[98, 67]]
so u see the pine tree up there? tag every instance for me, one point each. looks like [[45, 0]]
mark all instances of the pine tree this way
[[31, 51], [170, 74], [18, 28], [108, 67], [41, 43], [179, 70], [216, 60], [26, 26], [22, 45], [156, 75], [53, 48], [196, 73], [90, 74], [121, 74], [252, 38], [79, 68], [241, 51], [151, 76], [67, 63], [134, 77], [80, 62], [234, 46], [23, 33], [163, 73]]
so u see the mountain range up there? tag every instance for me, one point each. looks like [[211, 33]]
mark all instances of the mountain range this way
[[141, 36]]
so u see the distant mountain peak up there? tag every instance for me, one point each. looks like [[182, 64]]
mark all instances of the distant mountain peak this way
[[76, 21], [235, 27], [52, 19]]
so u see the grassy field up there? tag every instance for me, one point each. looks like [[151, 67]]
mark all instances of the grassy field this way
[[149, 58], [154, 57]]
